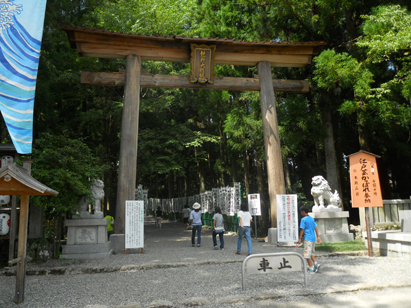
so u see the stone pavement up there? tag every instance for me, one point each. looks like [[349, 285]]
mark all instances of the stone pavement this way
[[171, 273], [170, 247]]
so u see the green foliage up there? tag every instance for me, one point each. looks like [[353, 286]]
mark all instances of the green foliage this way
[[386, 31], [387, 38], [160, 17], [334, 70], [65, 165], [244, 129], [297, 188]]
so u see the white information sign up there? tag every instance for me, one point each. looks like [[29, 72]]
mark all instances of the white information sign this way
[[254, 204], [287, 218], [134, 237]]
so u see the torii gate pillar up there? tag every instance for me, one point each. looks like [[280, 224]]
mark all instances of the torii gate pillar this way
[[129, 140], [276, 183]]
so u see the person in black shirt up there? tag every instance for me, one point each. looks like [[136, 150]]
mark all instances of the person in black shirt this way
[[159, 212]]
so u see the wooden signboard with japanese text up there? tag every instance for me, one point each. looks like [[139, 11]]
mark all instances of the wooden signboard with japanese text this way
[[202, 64], [365, 183], [134, 233], [287, 218]]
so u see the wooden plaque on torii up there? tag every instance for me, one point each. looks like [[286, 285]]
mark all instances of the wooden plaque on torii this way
[[202, 64]]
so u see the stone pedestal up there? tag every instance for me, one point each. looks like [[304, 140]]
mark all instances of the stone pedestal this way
[[118, 243], [272, 236], [86, 239], [391, 243], [333, 226]]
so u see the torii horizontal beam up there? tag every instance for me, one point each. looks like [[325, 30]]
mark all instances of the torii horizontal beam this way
[[173, 81], [107, 44]]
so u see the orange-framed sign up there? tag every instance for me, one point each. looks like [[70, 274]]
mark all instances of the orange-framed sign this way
[[365, 183]]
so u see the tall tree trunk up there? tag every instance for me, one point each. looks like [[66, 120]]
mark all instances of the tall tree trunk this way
[[318, 154], [202, 178], [200, 171], [234, 166], [272, 144], [287, 177], [211, 163], [187, 181], [180, 185], [170, 184], [247, 172], [331, 162], [156, 185], [221, 145], [264, 219]]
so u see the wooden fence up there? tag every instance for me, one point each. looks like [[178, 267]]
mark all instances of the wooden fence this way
[[386, 215]]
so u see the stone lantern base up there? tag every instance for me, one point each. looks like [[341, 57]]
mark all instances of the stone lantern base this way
[[86, 239], [333, 226]]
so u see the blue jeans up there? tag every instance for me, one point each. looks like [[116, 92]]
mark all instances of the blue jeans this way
[[193, 234], [247, 232], [221, 235]]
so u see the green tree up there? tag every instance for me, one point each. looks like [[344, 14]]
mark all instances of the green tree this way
[[160, 17], [67, 166]]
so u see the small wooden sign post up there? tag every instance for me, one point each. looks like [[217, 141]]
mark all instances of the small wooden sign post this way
[[16, 180], [365, 187]]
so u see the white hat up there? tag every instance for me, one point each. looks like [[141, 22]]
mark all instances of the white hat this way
[[196, 206]]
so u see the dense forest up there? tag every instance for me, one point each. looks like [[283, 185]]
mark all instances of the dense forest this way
[[191, 141]]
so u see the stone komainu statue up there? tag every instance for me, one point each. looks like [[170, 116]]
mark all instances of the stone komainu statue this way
[[97, 192], [324, 199]]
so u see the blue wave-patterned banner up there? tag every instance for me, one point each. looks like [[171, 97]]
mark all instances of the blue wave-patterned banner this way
[[21, 29]]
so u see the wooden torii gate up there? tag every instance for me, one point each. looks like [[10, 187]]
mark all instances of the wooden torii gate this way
[[203, 54]]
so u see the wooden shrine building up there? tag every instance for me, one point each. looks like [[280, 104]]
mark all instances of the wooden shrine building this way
[[202, 54], [17, 181]]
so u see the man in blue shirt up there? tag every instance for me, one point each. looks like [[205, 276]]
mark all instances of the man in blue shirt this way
[[309, 230]]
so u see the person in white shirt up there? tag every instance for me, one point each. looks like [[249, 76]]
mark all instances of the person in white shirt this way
[[195, 218], [244, 223]]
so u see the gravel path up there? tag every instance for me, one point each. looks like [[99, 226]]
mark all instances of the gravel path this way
[[171, 273]]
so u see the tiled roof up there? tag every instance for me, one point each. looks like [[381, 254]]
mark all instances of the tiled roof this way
[[21, 175]]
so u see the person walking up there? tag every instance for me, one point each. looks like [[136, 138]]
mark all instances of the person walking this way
[[309, 230], [218, 228], [244, 222], [159, 213], [196, 222], [110, 225], [186, 216]]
